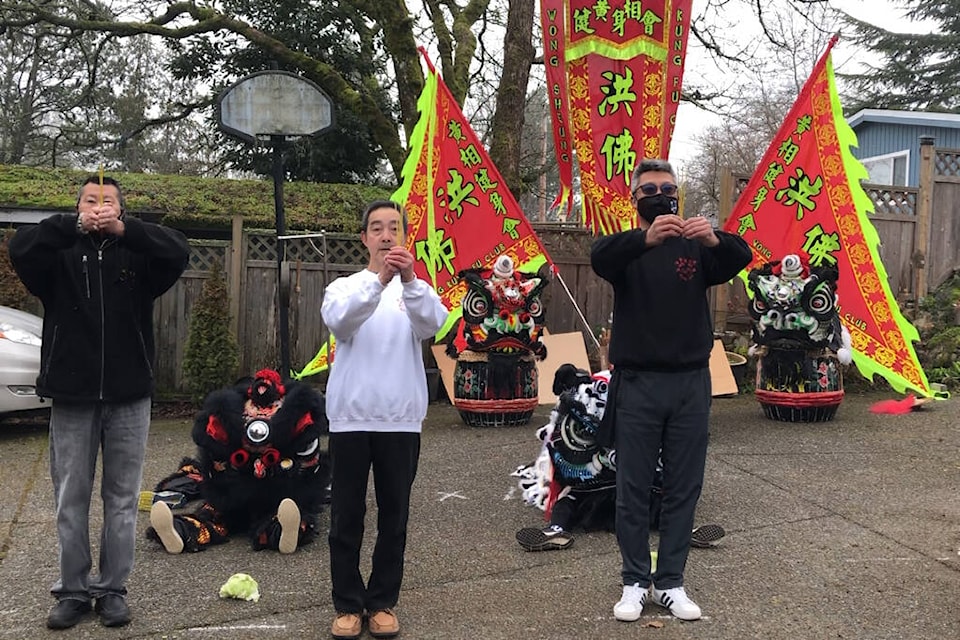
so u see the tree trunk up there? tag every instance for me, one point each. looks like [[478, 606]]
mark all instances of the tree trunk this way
[[397, 24], [507, 125]]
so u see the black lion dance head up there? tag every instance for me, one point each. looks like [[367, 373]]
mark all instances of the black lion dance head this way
[[571, 436], [795, 307]]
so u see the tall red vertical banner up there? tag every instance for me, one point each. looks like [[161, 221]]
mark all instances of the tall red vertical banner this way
[[552, 19], [624, 70]]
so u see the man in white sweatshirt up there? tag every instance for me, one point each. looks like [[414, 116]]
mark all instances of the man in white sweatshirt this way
[[376, 402]]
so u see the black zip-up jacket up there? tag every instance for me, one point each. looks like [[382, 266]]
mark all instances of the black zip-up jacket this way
[[97, 293], [661, 317]]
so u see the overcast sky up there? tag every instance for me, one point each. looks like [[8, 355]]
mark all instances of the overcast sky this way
[[691, 120]]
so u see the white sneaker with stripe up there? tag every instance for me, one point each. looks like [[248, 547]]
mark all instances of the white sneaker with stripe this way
[[630, 606], [678, 602]]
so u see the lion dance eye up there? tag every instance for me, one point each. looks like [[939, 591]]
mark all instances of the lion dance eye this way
[[258, 431], [475, 305]]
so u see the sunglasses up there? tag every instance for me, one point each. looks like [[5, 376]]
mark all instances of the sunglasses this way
[[650, 189]]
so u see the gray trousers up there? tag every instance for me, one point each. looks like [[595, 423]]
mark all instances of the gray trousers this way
[[78, 432], [653, 411]]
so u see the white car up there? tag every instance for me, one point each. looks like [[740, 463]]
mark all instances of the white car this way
[[19, 360]]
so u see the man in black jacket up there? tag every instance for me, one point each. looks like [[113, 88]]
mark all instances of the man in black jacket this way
[[97, 273], [659, 396]]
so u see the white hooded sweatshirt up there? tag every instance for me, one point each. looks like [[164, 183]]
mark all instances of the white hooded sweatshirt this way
[[377, 378]]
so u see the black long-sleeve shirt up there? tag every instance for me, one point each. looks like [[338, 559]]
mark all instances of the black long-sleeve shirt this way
[[661, 317]]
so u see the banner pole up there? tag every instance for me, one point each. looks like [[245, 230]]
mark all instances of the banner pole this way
[[596, 342], [326, 281]]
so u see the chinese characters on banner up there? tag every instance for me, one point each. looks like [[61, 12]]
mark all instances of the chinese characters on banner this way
[[805, 198], [461, 213], [614, 94]]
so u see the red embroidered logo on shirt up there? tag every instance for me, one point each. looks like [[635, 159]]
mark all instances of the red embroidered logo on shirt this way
[[686, 267]]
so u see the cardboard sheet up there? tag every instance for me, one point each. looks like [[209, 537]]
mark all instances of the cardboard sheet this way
[[721, 375], [561, 349], [446, 364]]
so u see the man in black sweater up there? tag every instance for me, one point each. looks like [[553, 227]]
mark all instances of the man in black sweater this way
[[660, 392], [97, 272]]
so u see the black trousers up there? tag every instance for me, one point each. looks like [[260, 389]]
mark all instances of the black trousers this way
[[393, 457], [665, 414]]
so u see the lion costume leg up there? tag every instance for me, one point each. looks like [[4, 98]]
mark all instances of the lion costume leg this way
[[191, 533], [286, 531]]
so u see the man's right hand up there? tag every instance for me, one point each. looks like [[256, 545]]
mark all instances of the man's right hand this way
[[102, 219], [386, 274], [663, 227]]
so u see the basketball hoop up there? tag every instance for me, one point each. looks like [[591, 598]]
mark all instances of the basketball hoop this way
[[273, 103], [274, 106]]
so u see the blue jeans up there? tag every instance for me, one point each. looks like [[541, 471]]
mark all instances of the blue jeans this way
[[78, 432]]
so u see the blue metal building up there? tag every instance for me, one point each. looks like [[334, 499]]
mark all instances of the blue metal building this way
[[890, 141]]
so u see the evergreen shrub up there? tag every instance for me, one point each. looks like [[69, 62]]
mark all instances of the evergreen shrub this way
[[211, 355]]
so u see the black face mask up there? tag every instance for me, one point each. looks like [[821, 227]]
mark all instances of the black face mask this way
[[653, 206]]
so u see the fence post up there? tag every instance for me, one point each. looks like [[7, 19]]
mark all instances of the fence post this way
[[724, 207], [236, 269], [921, 241]]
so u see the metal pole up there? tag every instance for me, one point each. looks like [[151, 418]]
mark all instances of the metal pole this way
[[921, 238], [283, 297]]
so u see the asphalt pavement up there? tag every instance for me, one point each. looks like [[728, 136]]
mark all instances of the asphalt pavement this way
[[844, 529]]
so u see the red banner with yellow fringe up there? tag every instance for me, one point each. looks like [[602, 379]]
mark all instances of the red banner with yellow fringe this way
[[805, 198], [461, 213], [554, 33]]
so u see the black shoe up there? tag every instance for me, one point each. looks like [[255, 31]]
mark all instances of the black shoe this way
[[706, 536], [67, 612], [113, 610], [546, 539]]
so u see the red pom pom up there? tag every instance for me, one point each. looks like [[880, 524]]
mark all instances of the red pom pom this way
[[239, 458], [270, 457], [268, 374]]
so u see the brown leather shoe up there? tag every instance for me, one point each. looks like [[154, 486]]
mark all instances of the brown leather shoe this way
[[383, 624], [347, 626]]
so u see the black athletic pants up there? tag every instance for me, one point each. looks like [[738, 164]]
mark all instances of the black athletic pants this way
[[393, 457]]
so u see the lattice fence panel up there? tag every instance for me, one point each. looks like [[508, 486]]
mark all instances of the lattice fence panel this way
[[345, 249], [947, 162], [565, 242], [206, 253], [892, 201], [261, 247]]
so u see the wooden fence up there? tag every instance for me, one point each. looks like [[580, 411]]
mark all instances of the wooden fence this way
[[919, 230], [249, 263]]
